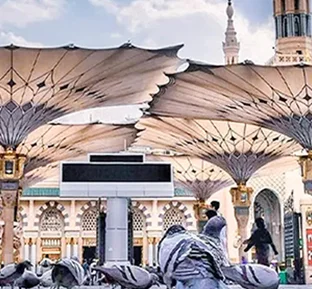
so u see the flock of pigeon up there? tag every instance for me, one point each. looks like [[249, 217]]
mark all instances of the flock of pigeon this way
[[186, 261]]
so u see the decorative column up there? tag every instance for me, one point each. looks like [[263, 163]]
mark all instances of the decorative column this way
[[306, 172], [241, 198], [11, 171], [63, 246], [200, 208], [150, 251], [75, 248], [156, 242], [116, 237], [39, 249], [9, 202], [33, 253], [68, 247], [26, 249], [80, 245]]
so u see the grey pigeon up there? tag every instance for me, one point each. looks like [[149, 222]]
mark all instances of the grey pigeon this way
[[45, 265], [27, 280], [211, 236], [67, 273], [130, 277], [252, 276], [11, 272], [46, 279], [185, 260]]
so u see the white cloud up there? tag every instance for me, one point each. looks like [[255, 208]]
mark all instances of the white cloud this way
[[200, 24], [115, 35], [23, 12], [10, 38]]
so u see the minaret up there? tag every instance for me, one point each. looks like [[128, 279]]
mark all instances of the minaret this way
[[231, 45], [293, 30]]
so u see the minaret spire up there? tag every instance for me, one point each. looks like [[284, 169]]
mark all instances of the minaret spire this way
[[231, 45]]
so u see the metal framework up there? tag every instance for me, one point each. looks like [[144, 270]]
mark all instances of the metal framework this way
[[197, 176], [277, 98], [49, 144], [38, 85], [239, 149]]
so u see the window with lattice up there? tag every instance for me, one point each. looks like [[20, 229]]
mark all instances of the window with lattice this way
[[52, 221], [138, 221], [89, 222], [173, 217]]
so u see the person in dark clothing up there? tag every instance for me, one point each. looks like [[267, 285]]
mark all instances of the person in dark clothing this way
[[210, 214], [215, 205], [262, 240]]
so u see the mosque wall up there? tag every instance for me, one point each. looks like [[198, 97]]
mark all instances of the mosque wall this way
[[66, 227]]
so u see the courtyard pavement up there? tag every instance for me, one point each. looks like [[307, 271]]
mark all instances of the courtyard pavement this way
[[232, 287]]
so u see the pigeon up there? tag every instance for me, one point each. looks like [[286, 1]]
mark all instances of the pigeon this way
[[11, 272], [46, 265], [130, 277], [211, 236], [67, 273], [185, 260], [252, 276], [46, 279], [156, 271], [27, 280]]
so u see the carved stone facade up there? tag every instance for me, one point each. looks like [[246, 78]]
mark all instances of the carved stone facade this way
[[75, 219]]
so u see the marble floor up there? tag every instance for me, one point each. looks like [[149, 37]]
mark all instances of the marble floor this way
[[232, 287]]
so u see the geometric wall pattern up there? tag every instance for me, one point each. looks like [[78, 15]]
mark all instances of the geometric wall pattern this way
[[91, 205], [49, 206], [146, 214], [180, 207]]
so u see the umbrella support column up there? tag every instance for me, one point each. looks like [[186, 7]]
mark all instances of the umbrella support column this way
[[9, 202], [241, 199]]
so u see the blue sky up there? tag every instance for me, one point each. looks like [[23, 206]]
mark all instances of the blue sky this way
[[199, 24]]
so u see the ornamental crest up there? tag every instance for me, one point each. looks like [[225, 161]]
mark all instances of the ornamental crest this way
[[309, 217]]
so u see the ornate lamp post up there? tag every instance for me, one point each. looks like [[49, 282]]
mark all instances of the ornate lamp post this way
[[11, 171], [241, 198]]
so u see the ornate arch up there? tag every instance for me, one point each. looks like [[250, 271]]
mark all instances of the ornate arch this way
[[148, 217], [86, 207], [272, 207], [23, 216], [52, 205], [182, 208]]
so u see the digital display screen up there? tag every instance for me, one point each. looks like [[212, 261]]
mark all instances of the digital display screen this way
[[116, 158], [123, 173]]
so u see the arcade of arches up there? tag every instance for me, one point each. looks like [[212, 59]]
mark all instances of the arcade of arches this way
[[66, 227]]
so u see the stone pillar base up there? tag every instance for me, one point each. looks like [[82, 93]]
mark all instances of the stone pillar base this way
[[9, 201], [242, 216], [241, 199], [116, 250], [119, 263]]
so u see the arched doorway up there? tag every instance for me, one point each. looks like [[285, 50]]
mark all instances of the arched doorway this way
[[88, 228], [139, 231], [51, 230], [267, 206]]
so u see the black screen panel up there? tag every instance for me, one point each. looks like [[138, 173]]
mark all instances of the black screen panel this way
[[116, 158], [122, 173]]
